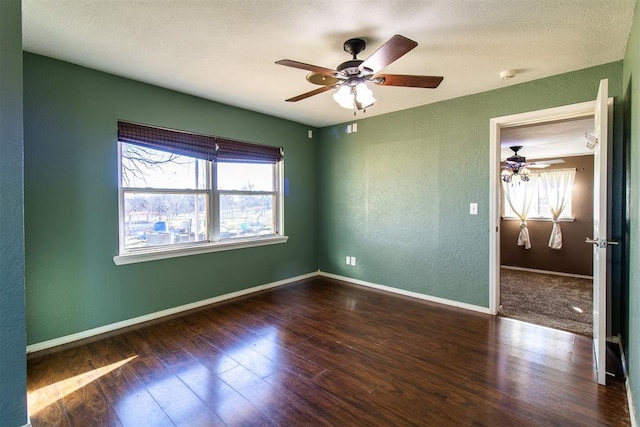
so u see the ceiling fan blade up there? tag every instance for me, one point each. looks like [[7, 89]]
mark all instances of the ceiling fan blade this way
[[312, 93], [549, 162], [322, 79], [308, 67], [428, 82], [543, 163], [393, 49]]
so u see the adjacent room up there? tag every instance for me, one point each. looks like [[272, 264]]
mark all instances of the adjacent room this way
[[329, 213], [546, 269]]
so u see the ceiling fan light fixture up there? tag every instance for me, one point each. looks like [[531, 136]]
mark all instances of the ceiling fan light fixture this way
[[364, 95], [521, 172], [354, 96], [344, 96], [507, 175]]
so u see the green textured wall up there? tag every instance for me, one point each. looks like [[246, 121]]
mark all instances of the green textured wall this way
[[632, 137], [396, 194], [13, 387], [71, 201]]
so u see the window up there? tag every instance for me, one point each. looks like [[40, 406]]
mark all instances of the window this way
[[183, 193], [539, 208]]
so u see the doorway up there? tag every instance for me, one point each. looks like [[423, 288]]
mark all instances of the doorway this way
[[499, 126], [600, 109], [540, 285]]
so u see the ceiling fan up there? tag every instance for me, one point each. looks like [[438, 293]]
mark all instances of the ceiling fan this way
[[518, 165], [351, 77]]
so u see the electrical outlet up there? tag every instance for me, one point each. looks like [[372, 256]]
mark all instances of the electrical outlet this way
[[353, 260], [348, 260]]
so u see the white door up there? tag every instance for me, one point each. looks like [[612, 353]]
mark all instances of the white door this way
[[599, 240], [599, 109]]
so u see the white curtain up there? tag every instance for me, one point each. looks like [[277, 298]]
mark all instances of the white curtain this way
[[519, 195], [557, 186]]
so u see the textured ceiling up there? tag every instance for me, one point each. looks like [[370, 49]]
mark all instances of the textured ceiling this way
[[548, 140], [224, 50]]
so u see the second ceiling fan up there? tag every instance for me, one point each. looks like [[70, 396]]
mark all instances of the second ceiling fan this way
[[517, 165], [351, 76]]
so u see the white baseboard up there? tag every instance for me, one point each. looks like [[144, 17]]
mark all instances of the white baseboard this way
[[158, 314], [411, 294], [632, 407], [632, 411], [557, 273], [175, 310]]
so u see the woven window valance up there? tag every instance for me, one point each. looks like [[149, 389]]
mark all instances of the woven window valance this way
[[205, 147]]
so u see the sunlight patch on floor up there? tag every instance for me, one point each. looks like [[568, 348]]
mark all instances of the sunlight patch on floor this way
[[45, 396]]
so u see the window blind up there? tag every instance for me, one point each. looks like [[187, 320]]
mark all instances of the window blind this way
[[196, 145]]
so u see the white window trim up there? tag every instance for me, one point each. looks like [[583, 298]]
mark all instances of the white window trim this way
[[175, 251], [538, 218], [196, 249]]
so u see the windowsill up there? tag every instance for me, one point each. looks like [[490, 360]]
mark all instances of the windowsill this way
[[515, 218], [203, 248]]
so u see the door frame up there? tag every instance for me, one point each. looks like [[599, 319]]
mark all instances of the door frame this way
[[572, 111]]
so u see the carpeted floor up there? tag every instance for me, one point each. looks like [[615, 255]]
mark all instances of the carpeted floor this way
[[558, 302]]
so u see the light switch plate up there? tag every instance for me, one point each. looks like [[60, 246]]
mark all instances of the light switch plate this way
[[473, 209]]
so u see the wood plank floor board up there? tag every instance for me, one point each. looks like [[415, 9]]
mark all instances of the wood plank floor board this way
[[323, 352], [266, 344], [206, 354], [130, 399], [87, 405], [495, 364], [502, 376], [279, 405], [365, 402], [332, 408], [404, 387], [179, 402], [339, 358], [565, 356], [227, 403]]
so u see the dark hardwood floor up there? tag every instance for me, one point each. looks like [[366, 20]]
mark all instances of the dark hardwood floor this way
[[323, 352]]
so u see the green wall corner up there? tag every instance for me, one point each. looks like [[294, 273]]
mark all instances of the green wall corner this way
[[71, 201], [13, 405], [396, 194]]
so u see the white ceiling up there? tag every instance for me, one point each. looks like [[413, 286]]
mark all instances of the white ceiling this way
[[224, 50], [548, 140]]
